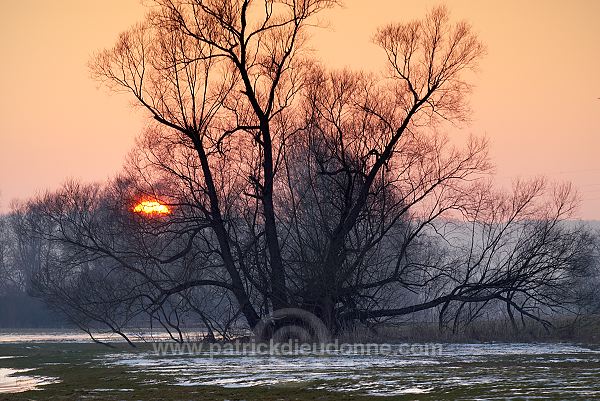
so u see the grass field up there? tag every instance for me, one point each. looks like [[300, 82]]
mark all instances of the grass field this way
[[462, 372]]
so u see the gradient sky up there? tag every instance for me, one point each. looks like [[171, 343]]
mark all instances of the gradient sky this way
[[536, 97]]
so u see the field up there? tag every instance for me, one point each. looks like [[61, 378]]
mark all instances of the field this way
[[458, 372]]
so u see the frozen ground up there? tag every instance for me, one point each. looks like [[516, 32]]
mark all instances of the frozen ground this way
[[62, 369], [496, 370], [17, 380]]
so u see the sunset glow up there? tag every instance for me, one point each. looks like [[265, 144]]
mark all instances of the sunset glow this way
[[553, 129], [151, 207]]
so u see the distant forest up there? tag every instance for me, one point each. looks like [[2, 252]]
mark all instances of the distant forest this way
[[19, 310]]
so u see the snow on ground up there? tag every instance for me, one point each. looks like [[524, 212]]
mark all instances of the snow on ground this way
[[13, 380], [525, 369]]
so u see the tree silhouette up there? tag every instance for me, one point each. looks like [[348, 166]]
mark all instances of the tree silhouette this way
[[294, 186]]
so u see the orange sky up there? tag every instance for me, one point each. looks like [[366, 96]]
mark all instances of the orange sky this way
[[536, 97]]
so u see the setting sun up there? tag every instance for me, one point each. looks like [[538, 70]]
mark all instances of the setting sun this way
[[151, 207]]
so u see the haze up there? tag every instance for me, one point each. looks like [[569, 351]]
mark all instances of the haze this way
[[536, 97]]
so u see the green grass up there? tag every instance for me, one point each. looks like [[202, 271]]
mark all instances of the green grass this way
[[80, 373]]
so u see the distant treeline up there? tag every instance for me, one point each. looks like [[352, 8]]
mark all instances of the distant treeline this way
[[23, 311]]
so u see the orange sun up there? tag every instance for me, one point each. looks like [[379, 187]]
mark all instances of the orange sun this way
[[151, 207]]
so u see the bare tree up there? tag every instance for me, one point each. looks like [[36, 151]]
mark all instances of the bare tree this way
[[291, 185], [5, 262], [515, 250]]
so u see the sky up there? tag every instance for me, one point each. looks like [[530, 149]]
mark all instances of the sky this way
[[536, 95]]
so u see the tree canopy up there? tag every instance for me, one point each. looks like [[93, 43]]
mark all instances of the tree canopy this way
[[293, 185]]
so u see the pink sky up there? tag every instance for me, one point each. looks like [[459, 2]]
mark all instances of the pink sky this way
[[536, 97]]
